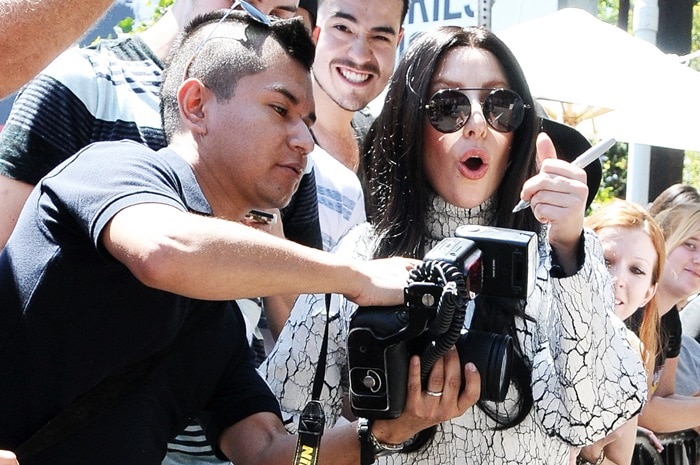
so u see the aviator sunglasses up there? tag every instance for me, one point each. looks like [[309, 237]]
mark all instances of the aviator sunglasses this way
[[450, 109]]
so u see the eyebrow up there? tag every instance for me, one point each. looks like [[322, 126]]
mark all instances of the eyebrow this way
[[353, 19]]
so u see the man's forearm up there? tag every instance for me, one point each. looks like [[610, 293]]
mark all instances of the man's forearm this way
[[215, 259], [34, 32]]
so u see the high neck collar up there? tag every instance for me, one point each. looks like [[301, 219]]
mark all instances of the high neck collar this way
[[443, 218]]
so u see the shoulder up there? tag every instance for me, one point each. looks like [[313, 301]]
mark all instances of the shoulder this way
[[332, 175], [109, 73], [329, 171], [360, 242], [112, 156]]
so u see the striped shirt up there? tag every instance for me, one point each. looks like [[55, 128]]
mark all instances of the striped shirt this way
[[109, 91]]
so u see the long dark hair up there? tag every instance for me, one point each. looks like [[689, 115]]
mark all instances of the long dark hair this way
[[392, 165], [398, 191]]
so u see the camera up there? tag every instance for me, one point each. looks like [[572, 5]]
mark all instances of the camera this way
[[479, 260], [509, 259]]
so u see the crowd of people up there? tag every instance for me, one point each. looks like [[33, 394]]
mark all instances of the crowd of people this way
[[193, 214]]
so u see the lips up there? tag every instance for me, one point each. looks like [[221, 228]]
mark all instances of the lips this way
[[295, 168], [473, 167], [354, 77], [696, 274], [356, 74]]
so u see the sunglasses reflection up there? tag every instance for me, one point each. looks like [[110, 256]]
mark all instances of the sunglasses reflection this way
[[450, 109]]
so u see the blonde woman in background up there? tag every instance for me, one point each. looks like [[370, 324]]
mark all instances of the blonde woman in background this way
[[633, 248]]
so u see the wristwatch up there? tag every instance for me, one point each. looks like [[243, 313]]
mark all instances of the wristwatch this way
[[370, 445]]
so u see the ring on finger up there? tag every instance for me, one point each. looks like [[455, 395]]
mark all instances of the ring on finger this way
[[434, 393]]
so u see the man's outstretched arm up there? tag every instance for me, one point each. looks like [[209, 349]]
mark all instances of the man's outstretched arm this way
[[34, 32]]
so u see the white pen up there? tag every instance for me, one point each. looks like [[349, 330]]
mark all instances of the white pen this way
[[582, 161]]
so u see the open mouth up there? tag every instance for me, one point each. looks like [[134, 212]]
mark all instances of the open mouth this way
[[473, 163], [353, 77]]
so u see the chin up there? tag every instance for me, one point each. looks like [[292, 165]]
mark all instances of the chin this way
[[468, 202]]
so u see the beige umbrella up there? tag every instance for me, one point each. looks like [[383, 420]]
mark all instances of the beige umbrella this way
[[607, 83]]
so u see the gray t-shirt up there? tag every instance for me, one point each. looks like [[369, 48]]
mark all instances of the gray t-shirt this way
[[688, 371]]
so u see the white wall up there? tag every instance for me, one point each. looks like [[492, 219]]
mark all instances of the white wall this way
[[506, 13]]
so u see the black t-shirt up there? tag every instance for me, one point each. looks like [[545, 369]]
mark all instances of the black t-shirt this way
[[71, 316], [670, 333]]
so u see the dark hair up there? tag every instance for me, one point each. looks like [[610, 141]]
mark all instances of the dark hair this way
[[312, 7], [398, 191], [235, 51], [404, 8], [392, 166]]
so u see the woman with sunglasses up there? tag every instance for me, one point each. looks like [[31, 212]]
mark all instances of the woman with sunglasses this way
[[455, 144]]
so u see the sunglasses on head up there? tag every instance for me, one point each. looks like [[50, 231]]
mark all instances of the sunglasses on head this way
[[450, 109], [252, 11]]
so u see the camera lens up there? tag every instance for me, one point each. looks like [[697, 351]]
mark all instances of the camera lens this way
[[492, 355]]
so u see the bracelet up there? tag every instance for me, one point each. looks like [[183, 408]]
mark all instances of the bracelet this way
[[382, 448], [366, 437]]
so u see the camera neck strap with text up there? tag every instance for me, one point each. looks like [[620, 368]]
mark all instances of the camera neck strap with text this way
[[313, 420]]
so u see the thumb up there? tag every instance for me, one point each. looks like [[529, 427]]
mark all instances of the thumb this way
[[545, 149]]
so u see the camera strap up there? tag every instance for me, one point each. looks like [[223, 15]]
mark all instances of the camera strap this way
[[313, 419]]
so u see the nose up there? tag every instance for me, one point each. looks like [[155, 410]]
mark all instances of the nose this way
[[301, 138], [359, 50], [476, 125], [617, 276]]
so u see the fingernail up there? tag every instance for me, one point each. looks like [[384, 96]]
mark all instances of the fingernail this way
[[471, 367]]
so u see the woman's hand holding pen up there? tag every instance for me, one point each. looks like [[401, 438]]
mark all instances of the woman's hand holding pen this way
[[557, 196]]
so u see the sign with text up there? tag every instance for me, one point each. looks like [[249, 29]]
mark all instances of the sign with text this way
[[426, 14]]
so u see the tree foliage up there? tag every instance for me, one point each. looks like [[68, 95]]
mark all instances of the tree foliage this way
[[614, 181], [129, 25]]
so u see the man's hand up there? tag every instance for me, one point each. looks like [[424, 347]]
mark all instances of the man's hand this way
[[384, 281]]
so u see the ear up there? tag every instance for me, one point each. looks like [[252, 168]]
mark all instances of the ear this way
[[650, 293], [398, 41], [545, 149], [191, 98], [315, 33]]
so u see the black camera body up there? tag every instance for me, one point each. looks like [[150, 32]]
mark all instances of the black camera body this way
[[508, 259], [381, 340]]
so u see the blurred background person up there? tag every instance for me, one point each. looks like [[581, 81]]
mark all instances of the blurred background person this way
[[634, 253]]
